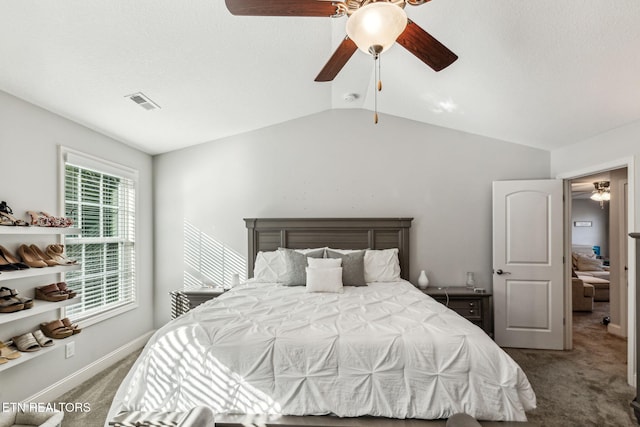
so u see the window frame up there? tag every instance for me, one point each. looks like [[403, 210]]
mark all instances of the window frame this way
[[88, 161]]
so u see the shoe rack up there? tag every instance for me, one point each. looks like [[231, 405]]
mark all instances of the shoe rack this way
[[40, 306]]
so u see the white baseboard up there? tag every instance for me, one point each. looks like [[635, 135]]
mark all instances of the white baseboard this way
[[64, 385], [614, 329]]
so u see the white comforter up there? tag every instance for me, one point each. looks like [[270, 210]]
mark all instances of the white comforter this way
[[384, 350]]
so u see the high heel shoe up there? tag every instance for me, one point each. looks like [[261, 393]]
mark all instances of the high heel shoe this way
[[6, 213], [30, 258], [6, 265], [44, 257], [6, 221], [56, 252], [11, 259]]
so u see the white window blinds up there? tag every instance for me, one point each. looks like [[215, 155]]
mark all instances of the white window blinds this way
[[101, 200]]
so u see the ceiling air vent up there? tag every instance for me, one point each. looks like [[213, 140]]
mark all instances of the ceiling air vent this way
[[143, 100]]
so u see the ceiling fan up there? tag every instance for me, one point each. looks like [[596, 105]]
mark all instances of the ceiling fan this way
[[373, 26]]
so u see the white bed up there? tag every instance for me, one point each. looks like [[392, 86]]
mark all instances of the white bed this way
[[385, 350]]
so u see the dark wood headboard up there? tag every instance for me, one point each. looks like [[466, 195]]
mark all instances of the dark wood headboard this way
[[268, 234]]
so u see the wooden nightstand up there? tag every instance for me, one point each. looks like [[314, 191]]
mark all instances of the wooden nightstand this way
[[186, 299], [475, 307]]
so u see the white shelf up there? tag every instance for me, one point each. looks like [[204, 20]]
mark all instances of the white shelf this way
[[26, 356], [32, 272], [39, 306], [35, 230]]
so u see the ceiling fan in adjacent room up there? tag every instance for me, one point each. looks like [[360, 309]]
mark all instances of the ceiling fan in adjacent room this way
[[372, 26]]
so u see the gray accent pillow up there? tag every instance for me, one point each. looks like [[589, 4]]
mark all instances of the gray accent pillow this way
[[296, 263], [352, 267]]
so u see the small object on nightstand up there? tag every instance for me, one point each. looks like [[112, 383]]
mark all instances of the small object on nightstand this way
[[471, 281], [235, 280], [423, 280]]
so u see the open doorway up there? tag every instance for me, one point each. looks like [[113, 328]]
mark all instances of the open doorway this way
[[599, 285]]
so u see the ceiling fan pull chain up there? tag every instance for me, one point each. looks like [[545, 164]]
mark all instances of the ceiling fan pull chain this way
[[379, 74], [376, 73]]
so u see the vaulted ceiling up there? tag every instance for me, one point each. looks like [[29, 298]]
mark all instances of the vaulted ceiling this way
[[546, 73]]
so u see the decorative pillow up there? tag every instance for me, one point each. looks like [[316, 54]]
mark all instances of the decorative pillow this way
[[306, 251], [345, 251], [324, 262], [324, 279], [589, 263], [270, 267], [352, 266], [381, 265], [296, 264]]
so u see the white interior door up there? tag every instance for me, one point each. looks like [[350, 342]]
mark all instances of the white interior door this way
[[528, 264]]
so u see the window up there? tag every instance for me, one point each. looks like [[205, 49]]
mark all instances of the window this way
[[100, 198]]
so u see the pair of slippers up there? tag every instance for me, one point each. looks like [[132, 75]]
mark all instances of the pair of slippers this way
[[31, 341]]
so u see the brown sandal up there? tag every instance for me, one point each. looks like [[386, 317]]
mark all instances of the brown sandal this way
[[51, 293], [55, 329], [73, 326], [26, 342], [64, 289], [27, 302], [8, 303]]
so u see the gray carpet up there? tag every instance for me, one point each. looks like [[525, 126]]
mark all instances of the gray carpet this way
[[583, 387]]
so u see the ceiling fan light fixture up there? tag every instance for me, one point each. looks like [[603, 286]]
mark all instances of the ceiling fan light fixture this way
[[602, 192], [376, 26]]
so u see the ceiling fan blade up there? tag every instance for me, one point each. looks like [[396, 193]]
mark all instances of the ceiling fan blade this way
[[424, 46], [281, 7], [337, 60]]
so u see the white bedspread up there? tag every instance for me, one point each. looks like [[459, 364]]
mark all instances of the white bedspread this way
[[384, 350]]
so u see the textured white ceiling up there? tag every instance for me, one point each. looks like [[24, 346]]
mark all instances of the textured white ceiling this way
[[546, 73]]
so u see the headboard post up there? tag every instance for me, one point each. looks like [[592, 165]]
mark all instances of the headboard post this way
[[267, 234]]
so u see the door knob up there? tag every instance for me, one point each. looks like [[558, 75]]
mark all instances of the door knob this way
[[499, 272]]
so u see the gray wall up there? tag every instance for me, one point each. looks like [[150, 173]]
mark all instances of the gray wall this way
[[598, 233], [339, 164], [29, 139]]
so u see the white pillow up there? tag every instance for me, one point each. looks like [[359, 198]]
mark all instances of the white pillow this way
[[324, 279], [381, 265], [324, 262], [270, 267]]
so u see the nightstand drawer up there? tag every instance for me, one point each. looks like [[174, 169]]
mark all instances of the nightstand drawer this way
[[198, 296], [471, 308], [187, 299]]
